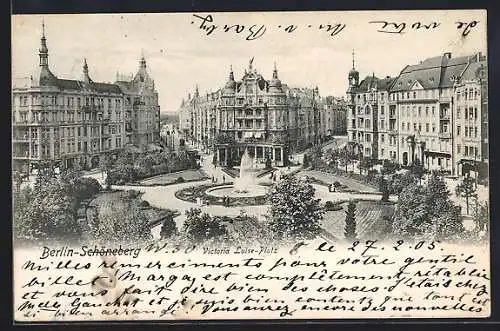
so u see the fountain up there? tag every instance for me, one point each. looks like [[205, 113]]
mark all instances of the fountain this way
[[246, 179], [245, 185]]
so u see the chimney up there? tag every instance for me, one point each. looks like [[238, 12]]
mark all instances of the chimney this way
[[448, 55]]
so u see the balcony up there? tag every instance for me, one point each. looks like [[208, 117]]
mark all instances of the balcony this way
[[18, 155], [444, 117], [20, 139], [444, 99], [392, 131], [392, 116], [444, 135]]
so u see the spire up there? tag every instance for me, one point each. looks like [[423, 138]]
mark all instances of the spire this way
[[275, 72], [44, 51], [353, 58], [231, 74], [196, 92], [250, 64], [142, 63], [86, 77]]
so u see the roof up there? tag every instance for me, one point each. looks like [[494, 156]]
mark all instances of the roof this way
[[473, 71], [373, 82], [434, 72]]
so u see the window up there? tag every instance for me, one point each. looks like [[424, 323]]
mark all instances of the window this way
[[382, 138], [475, 132], [426, 127], [433, 110], [414, 95], [415, 127], [381, 110], [419, 127], [459, 112], [458, 130], [466, 150], [419, 111], [426, 111], [382, 152], [466, 131], [466, 113], [459, 149], [433, 127], [382, 124], [403, 126]]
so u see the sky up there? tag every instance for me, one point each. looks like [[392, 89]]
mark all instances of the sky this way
[[181, 55]]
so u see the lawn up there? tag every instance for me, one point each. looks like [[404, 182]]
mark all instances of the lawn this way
[[166, 179], [369, 219]]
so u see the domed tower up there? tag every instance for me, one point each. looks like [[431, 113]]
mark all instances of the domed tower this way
[[353, 74], [86, 77], [275, 83], [230, 86], [46, 76]]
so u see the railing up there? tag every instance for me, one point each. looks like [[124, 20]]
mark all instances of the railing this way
[[20, 139], [444, 135], [21, 155]]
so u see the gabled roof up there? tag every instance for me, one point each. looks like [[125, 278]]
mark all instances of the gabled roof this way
[[434, 72], [372, 82]]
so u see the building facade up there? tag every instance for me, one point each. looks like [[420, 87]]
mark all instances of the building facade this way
[[333, 116], [79, 121], [266, 117], [434, 112]]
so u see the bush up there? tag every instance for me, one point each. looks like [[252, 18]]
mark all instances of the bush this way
[[331, 206], [168, 228], [268, 163]]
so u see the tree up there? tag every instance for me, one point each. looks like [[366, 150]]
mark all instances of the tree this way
[[350, 221], [347, 155], [466, 189], [200, 227], [46, 212], [417, 169], [481, 216], [389, 167], [293, 213], [106, 164], [427, 211], [437, 194], [168, 228], [399, 181], [384, 189], [412, 216], [122, 222], [365, 163]]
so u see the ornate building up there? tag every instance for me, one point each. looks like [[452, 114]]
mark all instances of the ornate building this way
[[334, 116], [434, 112], [78, 121], [269, 118]]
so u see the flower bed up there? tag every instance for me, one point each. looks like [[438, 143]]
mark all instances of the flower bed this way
[[193, 193]]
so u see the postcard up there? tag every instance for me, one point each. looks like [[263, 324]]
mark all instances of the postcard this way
[[250, 165]]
